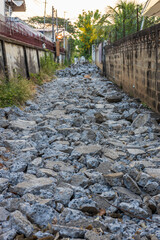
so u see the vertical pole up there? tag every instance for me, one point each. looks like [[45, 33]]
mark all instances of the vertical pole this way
[[53, 39], [110, 36], [116, 34], [38, 60], [142, 24], [57, 45], [45, 3], [66, 25], [67, 47], [64, 31], [6, 72], [124, 30], [57, 22], [26, 62], [137, 20]]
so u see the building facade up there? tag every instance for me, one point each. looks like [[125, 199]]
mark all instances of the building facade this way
[[152, 8], [9, 6], [2, 9]]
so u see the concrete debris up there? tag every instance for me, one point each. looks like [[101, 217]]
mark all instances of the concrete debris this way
[[81, 161]]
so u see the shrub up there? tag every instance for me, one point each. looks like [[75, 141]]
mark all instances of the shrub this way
[[47, 64], [15, 92], [18, 89]]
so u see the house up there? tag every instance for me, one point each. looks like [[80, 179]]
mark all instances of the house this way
[[9, 6], [152, 8], [2, 9], [16, 5]]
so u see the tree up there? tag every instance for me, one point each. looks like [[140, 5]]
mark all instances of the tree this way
[[87, 31], [125, 19], [33, 21]]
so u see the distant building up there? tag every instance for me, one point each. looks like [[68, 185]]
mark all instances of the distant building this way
[[46, 32], [2, 9], [9, 6], [152, 8]]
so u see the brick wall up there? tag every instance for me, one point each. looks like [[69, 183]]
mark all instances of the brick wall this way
[[134, 64]]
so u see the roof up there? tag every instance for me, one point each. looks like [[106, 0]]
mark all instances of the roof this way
[[152, 8], [17, 5]]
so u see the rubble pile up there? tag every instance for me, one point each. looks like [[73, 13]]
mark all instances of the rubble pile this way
[[79, 69], [80, 162]]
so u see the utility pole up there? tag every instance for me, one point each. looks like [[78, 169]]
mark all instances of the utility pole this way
[[64, 41], [45, 4], [66, 25], [57, 22], [57, 40], [53, 35]]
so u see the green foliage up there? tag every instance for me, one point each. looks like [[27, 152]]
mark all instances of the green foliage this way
[[124, 21], [15, 92], [47, 69], [47, 64], [71, 49], [18, 89], [48, 20], [86, 34]]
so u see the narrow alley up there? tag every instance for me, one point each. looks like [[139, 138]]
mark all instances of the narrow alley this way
[[81, 161]]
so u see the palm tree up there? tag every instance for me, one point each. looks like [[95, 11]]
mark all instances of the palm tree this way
[[125, 19]]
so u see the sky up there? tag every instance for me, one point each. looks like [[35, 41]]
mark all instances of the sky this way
[[72, 7]]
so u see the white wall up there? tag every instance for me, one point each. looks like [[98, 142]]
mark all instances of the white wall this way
[[2, 9]]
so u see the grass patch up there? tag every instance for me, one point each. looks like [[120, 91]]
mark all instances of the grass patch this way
[[48, 68], [18, 90], [15, 92]]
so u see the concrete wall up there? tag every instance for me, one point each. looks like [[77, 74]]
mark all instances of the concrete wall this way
[[134, 64], [32, 58], [98, 61], [61, 58], [16, 58]]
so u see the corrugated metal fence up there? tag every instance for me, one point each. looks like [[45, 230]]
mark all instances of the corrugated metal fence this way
[[20, 32]]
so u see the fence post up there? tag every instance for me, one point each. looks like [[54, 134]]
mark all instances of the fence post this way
[[26, 62], [38, 60], [104, 58], [137, 20], [116, 34], [124, 28], [5, 60], [110, 37]]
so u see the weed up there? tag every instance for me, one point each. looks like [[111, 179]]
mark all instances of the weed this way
[[18, 89], [145, 105], [15, 92], [47, 64]]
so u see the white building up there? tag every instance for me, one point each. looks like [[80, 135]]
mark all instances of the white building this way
[[2, 9], [9, 6], [152, 8]]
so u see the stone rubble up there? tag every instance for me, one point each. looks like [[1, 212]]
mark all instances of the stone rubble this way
[[81, 161]]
